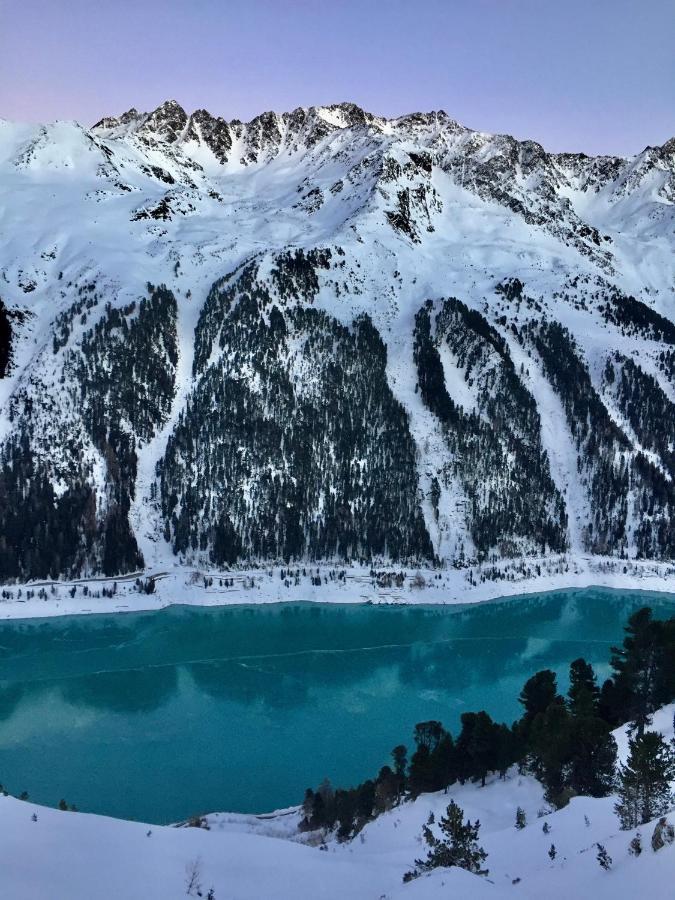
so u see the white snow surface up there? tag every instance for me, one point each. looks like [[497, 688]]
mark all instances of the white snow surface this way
[[46, 854], [182, 585]]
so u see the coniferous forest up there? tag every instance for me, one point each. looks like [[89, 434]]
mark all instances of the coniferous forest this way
[[293, 443]]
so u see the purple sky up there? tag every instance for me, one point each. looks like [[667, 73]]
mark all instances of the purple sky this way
[[591, 75]]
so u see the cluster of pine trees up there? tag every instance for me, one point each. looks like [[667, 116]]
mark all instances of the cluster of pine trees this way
[[5, 339], [43, 534], [632, 315], [565, 742], [123, 377], [496, 449], [125, 372], [645, 405], [603, 447], [294, 274], [292, 445], [650, 414]]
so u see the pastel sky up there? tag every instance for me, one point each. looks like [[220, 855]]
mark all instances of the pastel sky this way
[[590, 75]]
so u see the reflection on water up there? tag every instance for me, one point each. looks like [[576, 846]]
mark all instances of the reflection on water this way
[[161, 715]]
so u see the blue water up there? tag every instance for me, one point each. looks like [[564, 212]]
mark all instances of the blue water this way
[[161, 715]]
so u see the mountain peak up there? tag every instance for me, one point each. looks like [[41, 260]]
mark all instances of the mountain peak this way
[[131, 115], [167, 121]]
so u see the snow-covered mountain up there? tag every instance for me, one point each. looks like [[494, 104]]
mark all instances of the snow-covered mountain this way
[[329, 336]]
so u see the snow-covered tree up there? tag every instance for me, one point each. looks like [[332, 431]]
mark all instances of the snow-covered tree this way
[[457, 846], [635, 846], [664, 833]]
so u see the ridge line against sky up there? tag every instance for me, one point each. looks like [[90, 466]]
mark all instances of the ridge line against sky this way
[[597, 77]]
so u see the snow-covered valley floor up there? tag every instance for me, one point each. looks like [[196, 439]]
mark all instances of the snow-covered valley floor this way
[[46, 854], [339, 584]]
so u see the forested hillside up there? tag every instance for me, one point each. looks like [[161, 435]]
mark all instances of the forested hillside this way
[[327, 337]]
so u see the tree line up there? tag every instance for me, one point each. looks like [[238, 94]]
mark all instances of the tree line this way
[[565, 742]]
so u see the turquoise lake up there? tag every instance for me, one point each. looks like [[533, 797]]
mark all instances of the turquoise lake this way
[[161, 715]]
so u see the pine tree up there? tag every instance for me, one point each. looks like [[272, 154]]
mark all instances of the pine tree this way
[[593, 752], [551, 749], [603, 858], [458, 845], [552, 852], [583, 691], [537, 695], [477, 746], [521, 820], [431, 765], [636, 667], [644, 782]]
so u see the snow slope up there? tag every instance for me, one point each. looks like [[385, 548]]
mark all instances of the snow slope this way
[[45, 853]]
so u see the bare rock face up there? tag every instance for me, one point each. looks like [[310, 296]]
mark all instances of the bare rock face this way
[[130, 117], [214, 132], [167, 122]]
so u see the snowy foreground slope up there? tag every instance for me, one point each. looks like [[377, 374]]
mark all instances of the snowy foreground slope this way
[[327, 338], [78, 856]]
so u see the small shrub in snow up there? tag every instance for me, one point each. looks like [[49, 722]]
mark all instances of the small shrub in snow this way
[[603, 858], [418, 581], [664, 833], [552, 852], [193, 885], [635, 846], [521, 820]]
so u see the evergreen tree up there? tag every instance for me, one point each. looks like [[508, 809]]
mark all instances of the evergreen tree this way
[[509, 749], [552, 852], [583, 691], [537, 694], [400, 757], [644, 782], [636, 669], [458, 845], [603, 858], [386, 790], [550, 749], [432, 762], [521, 820], [477, 746], [592, 766]]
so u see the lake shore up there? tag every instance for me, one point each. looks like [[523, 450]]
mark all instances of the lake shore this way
[[188, 586]]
